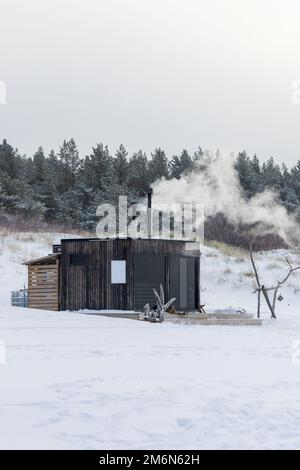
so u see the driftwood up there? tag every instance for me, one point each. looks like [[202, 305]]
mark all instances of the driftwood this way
[[157, 314]]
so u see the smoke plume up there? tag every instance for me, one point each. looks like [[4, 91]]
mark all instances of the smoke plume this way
[[214, 182]]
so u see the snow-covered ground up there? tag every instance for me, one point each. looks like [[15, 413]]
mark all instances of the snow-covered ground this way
[[83, 382]]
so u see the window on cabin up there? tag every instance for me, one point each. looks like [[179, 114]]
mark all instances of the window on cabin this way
[[118, 272]]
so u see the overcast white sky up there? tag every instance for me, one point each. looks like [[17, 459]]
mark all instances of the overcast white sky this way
[[146, 73]]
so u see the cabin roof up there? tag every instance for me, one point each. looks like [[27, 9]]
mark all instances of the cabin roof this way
[[93, 239], [49, 259]]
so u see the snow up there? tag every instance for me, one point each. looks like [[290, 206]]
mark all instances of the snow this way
[[89, 382], [110, 311]]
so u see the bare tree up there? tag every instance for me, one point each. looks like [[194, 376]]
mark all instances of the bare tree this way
[[261, 289], [291, 270]]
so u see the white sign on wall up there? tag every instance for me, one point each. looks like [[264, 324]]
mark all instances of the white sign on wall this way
[[118, 272]]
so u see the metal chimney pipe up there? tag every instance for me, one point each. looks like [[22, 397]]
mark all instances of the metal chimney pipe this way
[[149, 194], [149, 211]]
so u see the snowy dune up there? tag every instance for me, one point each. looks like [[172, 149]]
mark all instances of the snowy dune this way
[[83, 382]]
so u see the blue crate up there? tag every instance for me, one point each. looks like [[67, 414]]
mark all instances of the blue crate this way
[[20, 298]]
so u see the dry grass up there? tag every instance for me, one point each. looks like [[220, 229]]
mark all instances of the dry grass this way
[[232, 251], [28, 233], [227, 270], [240, 260], [248, 274], [211, 254], [4, 232], [274, 265], [25, 237], [13, 247]]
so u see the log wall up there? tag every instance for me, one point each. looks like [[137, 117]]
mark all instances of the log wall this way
[[43, 286]]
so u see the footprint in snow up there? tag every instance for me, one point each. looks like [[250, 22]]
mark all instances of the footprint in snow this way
[[184, 423]]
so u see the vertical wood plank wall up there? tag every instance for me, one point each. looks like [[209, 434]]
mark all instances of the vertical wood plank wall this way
[[89, 286]]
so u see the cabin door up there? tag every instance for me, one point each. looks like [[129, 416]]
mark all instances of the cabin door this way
[[149, 273], [78, 282], [183, 282]]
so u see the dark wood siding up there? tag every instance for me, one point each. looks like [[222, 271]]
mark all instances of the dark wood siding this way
[[88, 285], [171, 251]]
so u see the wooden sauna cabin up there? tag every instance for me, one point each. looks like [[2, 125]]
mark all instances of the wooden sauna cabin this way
[[118, 274]]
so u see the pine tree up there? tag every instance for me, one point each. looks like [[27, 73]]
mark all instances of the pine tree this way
[[64, 189], [39, 167], [139, 178], [255, 176], [97, 171], [242, 166], [55, 172], [77, 208], [18, 198], [295, 179], [158, 165], [249, 172], [121, 167], [70, 162], [198, 157], [10, 161], [287, 191], [175, 167], [256, 165], [98, 174], [271, 175], [180, 164]]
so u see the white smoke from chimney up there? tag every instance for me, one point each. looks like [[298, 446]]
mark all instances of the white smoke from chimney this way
[[214, 182]]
